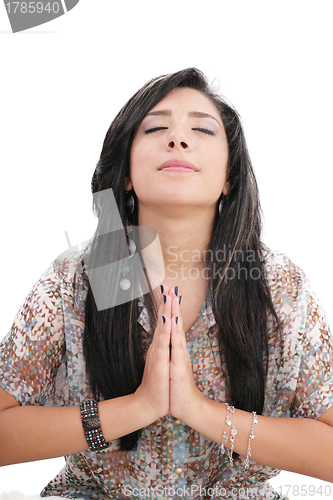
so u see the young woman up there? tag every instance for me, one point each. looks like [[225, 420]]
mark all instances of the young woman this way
[[203, 387]]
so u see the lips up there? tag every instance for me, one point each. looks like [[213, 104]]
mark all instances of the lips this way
[[181, 166]]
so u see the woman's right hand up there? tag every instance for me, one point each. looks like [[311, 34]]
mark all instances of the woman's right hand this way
[[153, 392]]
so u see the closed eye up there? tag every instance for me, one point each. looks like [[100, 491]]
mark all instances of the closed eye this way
[[205, 130], [155, 129]]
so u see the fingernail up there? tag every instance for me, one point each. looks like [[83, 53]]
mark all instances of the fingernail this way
[[180, 299], [164, 298], [163, 317], [176, 320], [162, 288], [176, 290]]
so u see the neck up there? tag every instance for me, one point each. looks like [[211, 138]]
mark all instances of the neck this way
[[184, 237]]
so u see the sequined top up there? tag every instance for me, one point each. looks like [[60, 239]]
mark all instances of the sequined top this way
[[42, 363]]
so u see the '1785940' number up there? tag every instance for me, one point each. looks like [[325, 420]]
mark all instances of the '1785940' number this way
[[32, 7], [305, 490]]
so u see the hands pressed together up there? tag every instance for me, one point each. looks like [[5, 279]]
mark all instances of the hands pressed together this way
[[168, 384]]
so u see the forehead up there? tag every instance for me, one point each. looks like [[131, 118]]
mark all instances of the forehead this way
[[187, 100]]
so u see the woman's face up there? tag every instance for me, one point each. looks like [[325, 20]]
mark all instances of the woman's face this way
[[179, 155]]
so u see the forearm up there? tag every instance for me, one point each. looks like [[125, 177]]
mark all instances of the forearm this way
[[30, 433], [300, 445]]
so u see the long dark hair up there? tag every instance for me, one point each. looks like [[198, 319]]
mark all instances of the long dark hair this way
[[241, 297]]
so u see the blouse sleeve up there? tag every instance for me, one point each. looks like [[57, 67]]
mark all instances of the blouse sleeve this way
[[33, 351], [303, 384], [314, 346]]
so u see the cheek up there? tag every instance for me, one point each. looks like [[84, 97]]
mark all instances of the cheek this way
[[217, 173], [135, 160], [219, 165], [140, 156], [139, 167]]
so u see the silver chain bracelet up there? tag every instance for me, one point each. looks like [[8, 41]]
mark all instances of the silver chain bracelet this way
[[251, 436]]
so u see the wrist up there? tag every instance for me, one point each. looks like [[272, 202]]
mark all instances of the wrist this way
[[195, 413], [142, 406], [121, 416], [208, 418]]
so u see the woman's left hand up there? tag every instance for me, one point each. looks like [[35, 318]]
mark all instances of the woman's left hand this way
[[184, 395]]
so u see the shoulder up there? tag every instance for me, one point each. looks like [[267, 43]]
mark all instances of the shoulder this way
[[63, 277], [294, 299], [45, 299], [290, 290], [68, 265], [72, 279], [284, 277]]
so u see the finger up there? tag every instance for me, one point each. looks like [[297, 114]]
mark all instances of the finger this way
[[178, 339], [163, 332], [174, 292], [175, 306], [166, 305], [164, 289], [175, 337], [177, 324], [163, 325], [177, 347]]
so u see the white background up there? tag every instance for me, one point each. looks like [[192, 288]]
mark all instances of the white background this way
[[63, 82]]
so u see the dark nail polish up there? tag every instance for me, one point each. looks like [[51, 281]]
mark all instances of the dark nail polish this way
[[164, 298], [176, 290], [163, 317], [162, 288], [176, 320], [180, 299]]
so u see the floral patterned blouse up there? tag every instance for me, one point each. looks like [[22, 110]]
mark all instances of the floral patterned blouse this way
[[42, 363]]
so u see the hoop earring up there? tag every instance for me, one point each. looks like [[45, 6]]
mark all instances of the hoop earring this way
[[129, 202], [221, 203], [125, 283]]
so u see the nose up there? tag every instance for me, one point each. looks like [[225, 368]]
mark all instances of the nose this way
[[182, 144], [177, 139]]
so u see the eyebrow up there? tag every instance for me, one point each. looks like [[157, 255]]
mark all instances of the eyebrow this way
[[192, 114]]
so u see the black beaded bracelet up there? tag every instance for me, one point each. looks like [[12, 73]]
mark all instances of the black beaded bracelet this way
[[92, 425]]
